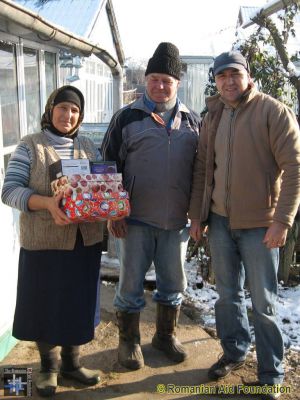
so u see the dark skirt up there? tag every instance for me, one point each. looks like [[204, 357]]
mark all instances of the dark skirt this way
[[56, 295]]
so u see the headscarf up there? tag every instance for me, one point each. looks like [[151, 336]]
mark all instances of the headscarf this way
[[65, 93]]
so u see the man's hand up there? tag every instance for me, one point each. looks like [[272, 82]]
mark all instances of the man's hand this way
[[117, 228], [196, 230], [275, 235]]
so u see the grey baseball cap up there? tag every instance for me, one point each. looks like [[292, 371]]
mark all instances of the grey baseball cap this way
[[230, 59]]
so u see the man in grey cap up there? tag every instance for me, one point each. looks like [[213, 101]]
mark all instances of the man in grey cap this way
[[246, 189], [153, 141]]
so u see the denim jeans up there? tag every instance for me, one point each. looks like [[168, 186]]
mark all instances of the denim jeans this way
[[236, 254], [143, 245]]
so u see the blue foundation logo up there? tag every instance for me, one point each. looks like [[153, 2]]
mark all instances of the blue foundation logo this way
[[17, 382]]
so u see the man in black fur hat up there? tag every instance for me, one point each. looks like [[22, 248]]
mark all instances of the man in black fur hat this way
[[154, 142]]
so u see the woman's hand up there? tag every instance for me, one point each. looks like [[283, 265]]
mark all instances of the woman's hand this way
[[37, 202], [58, 215]]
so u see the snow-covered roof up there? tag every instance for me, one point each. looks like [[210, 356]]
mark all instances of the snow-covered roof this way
[[246, 13], [77, 16]]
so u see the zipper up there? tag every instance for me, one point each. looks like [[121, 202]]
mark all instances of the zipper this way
[[157, 118], [161, 122], [168, 176], [229, 161]]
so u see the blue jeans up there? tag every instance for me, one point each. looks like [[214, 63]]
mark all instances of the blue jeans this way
[[236, 253], [142, 246]]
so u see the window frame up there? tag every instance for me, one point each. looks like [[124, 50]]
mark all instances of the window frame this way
[[19, 44]]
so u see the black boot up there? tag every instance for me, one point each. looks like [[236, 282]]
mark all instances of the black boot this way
[[71, 368], [164, 338], [129, 352], [46, 381]]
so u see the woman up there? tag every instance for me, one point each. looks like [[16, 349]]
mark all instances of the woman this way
[[59, 260]]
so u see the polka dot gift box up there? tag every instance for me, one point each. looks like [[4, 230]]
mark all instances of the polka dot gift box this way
[[92, 197]]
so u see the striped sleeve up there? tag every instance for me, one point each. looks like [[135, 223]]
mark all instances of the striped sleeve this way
[[15, 191]]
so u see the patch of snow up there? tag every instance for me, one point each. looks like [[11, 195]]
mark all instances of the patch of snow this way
[[203, 296], [111, 261]]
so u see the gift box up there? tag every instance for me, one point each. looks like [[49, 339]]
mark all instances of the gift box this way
[[92, 197], [103, 167]]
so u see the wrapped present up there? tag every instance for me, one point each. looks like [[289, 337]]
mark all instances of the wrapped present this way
[[92, 197]]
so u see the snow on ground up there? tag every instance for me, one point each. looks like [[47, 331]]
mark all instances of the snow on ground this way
[[288, 305], [203, 296], [112, 262]]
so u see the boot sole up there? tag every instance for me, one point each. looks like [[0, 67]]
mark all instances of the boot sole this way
[[131, 364], [46, 392], [88, 382], [46, 383], [212, 374], [176, 358]]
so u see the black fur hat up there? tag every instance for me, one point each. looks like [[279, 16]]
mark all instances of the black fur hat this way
[[165, 60]]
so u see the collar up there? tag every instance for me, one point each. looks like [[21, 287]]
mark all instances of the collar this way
[[57, 140], [148, 105], [214, 102]]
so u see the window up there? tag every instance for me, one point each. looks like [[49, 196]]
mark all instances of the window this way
[[99, 69], [92, 68], [9, 95], [50, 66], [6, 159], [32, 90]]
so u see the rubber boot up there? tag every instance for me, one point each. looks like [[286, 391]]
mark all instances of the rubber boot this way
[[46, 380], [129, 352], [46, 383], [165, 336], [71, 368]]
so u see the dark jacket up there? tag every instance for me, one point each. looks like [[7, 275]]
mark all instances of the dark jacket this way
[[158, 160]]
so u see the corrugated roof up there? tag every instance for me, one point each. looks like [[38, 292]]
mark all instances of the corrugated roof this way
[[77, 16]]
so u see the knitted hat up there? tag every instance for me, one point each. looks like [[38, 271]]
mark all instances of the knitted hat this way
[[165, 60]]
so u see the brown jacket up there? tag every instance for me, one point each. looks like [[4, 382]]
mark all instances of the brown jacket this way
[[263, 170]]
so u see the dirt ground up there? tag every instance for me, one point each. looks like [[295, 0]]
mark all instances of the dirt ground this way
[[150, 382]]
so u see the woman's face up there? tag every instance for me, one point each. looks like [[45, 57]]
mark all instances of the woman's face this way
[[65, 116]]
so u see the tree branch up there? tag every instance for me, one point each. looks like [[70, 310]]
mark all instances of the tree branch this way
[[267, 23]]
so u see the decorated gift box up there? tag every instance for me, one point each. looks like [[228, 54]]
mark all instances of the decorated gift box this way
[[92, 197]]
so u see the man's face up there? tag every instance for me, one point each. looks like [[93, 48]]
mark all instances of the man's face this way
[[232, 84], [161, 87]]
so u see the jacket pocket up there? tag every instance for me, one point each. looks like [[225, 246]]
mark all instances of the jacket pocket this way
[[128, 184], [268, 193], [206, 202]]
